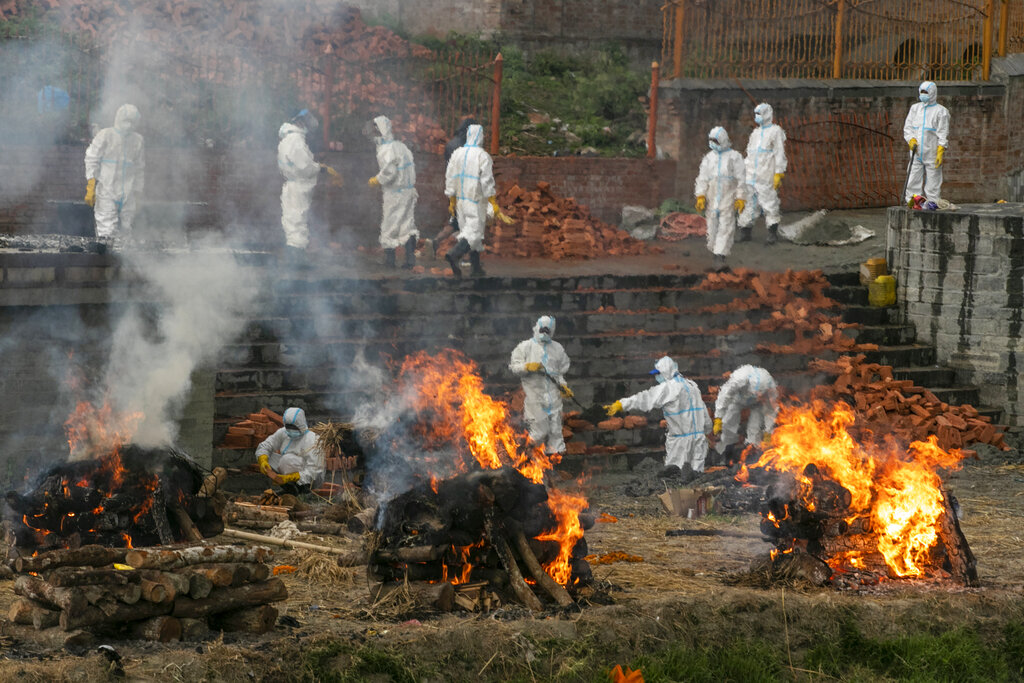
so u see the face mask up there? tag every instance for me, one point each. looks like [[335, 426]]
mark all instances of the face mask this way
[[714, 146], [293, 433], [758, 119], [544, 337], [924, 97]]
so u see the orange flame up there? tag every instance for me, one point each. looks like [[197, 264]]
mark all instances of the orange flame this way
[[93, 432]]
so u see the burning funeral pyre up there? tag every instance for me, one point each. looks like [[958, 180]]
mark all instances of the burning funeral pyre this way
[[856, 511], [479, 513]]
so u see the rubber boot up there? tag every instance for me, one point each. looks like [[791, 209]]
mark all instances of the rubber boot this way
[[410, 252], [744, 235], [389, 258], [474, 260], [428, 250], [718, 263], [453, 257], [773, 234]]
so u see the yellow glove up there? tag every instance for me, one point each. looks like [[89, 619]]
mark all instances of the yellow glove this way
[[913, 144], [738, 205], [288, 478], [373, 182], [702, 203], [497, 211], [566, 391], [451, 206], [533, 367], [264, 461], [90, 192], [336, 179], [778, 180], [716, 429], [613, 409], [938, 156]]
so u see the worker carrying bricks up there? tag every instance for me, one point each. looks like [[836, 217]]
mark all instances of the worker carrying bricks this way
[[926, 131], [291, 457], [540, 363], [686, 417], [721, 192], [115, 172], [300, 170], [396, 177], [469, 186], [748, 388], [766, 166]]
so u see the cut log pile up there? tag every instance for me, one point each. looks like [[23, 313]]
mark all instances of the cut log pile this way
[[251, 431], [148, 593], [547, 225], [911, 413]]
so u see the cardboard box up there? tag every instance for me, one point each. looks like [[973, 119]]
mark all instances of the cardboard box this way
[[690, 503]]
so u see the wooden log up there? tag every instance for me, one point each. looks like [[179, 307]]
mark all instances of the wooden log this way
[[21, 611], [177, 584], [353, 559], [224, 599], [322, 528], [212, 482], [416, 553], [128, 594], [440, 595], [44, 618], [199, 586], [94, 616], [185, 523], [73, 576], [85, 556], [153, 591], [193, 629], [163, 629], [172, 559], [543, 579], [363, 521], [515, 577], [281, 541], [158, 513], [52, 596], [260, 619]]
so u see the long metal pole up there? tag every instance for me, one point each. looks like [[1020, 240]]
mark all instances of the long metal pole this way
[[499, 62], [677, 44], [986, 47], [837, 60], [652, 121]]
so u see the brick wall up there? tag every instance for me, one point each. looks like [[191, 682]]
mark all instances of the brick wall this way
[[241, 188], [959, 282]]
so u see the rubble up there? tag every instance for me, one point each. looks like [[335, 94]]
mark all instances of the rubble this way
[[251, 431]]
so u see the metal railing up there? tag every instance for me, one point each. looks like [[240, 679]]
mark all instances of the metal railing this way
[[871, 39]]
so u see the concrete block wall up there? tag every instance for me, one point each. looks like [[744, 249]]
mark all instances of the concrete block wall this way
[[960, 278]]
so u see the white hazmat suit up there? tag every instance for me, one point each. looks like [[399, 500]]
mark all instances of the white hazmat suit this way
[[300, 171], [686, 416], [116, 159], [766, 157], [543, 405], [470, 179], [927, 123], [751, 388], [294, 453], [397, 179], [722, 181]]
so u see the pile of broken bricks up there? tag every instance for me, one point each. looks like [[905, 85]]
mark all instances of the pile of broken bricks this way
[[251, 431]]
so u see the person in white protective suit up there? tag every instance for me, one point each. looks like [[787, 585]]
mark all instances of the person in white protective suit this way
[[300, 170], [541, 364], [926, 131], [114, 172], [397, 180], [291, 457], [686, 416], [721, 191], [750, 388], [469, 186], [766, 166]]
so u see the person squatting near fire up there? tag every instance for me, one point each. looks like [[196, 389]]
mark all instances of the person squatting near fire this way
[[469, 186], [722, 179], [300, 170], [540, 363], [926, 132], [750, 388], [291, 456], [452, 225], [686, 417], [114, 172], [396, 178], [766, 166]]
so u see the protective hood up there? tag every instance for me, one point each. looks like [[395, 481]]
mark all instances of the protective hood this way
[[289, 128], [764, 110], [665, 368], [383, 126], [719, 135], [542, 322], [931, 89], [475, 135], [297, 417], [126, 119]]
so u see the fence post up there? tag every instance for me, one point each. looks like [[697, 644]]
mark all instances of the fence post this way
[[837, 59], [677, 37], [499, 61], [1004, 21], [986, 47], [652, 120], [328, 91]]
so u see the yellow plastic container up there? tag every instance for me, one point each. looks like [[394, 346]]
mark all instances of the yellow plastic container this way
[[871, 269], [882, 292]]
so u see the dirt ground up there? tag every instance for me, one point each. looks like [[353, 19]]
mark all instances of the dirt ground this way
[[680, 593]]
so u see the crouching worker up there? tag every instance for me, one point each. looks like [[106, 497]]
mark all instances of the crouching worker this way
[[686, 417], [750, 388], [291, 456]]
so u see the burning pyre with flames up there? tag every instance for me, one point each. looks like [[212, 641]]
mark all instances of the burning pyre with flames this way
[[866, 507], [479, 504]]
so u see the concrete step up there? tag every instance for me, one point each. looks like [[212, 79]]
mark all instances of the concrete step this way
[[902, 355], [856, 295], [868, 315], [885, 335], [926, 375]]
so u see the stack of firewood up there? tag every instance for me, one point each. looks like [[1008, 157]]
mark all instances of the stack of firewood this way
[[150, 593]]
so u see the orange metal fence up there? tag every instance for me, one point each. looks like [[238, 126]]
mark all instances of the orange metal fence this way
[[874, 39]]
